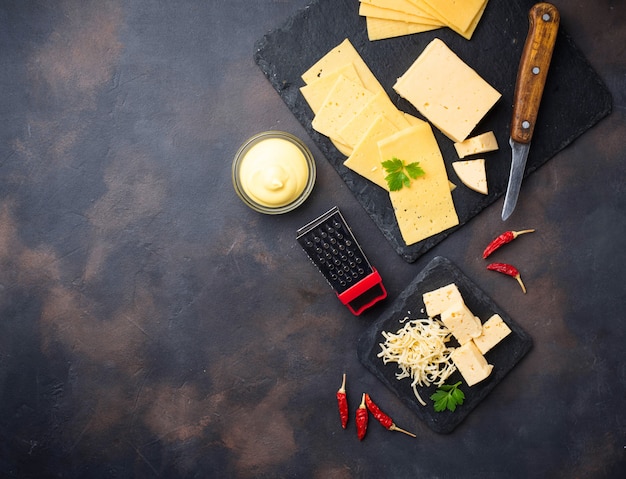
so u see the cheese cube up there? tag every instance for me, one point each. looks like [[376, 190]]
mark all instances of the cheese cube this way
[[447, 91], [471, 364], [426, 207], [477, 144], [461, 322], [494, 331], [438, 300]]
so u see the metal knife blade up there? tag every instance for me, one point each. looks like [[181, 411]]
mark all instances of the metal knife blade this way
[[544, 22]]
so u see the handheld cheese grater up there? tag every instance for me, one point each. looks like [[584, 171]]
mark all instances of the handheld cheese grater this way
[[333, 249]]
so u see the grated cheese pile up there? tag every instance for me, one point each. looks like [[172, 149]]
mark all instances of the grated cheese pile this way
[[419, 348]]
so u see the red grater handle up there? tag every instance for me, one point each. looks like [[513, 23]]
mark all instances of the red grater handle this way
[[355, 298]]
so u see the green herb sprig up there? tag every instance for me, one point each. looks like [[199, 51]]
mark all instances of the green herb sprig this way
[[399, 173], [448, 396]]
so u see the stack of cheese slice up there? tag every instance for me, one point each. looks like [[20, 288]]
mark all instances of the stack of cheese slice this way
[[475, 338], [394, 18], [355, 112]]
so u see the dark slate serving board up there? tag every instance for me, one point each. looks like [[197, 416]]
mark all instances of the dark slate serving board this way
[[504, 356], [574, 99]]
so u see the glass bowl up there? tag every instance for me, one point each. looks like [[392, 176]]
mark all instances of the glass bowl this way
[[273, 172]]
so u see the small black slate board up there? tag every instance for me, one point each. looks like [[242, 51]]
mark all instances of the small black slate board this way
[[574, 100], [504, 356]]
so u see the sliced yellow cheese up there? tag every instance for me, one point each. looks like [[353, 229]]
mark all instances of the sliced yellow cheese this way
[[435, 13], [461, 322], [471, 364], [473, 175], [482, 143], [404, 6], [368, 10], [447, 91], [336, 58], [343, 101], [365, 158], [459, 14], [355, 128], [381, 28], [315, 92], [494, 331], [438, 300], [425, 208]]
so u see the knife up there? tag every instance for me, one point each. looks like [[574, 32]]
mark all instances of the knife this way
[[544, 21]]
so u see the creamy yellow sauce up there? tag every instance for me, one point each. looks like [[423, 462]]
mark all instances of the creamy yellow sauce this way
[[273, 172]]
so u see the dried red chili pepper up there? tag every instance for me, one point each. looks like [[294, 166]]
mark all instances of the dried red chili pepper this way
[[361, 419], [508, 270], [503, 239], [342, 402], [382, 418]]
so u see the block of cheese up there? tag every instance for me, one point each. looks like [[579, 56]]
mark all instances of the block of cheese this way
[[365, 158], [461, 322], [471, 364], [343, 101], [382, 28], [473, 175], [446, 91], [336, 58], [482, 143], [355, 128], [494, 331], [438, 300], [315, 92], [425, 208]]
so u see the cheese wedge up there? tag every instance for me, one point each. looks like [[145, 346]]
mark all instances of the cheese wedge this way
[[472, 174], [425, 208], [447, 91], [477, 144], [471, 364], [494, 330]]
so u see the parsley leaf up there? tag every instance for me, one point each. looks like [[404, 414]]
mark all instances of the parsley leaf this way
[[398, 173], [448, 397]]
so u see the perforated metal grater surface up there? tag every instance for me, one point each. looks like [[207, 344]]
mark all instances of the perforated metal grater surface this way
[[333, 249]]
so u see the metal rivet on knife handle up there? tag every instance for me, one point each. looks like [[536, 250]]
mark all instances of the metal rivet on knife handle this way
[[544, 21]]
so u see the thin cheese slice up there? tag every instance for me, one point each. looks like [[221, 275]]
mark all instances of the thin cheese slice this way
[[338, 57], [435, 13], [355, 128], [367, 10], [315, 92], [404, 6], [381, 28], [459, 14], [365, 158], [482, 143], [473, 175], [494, 330], [425, 208], [447, 91], [471, 364], [343, 101]]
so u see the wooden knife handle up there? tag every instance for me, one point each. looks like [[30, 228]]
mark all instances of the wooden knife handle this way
[[544, 21]]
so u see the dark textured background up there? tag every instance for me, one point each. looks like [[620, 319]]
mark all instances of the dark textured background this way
[[153, 326]]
